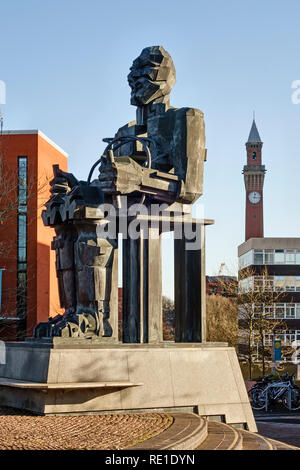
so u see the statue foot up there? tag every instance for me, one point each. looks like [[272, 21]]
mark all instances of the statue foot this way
[[62, 325], [72, 324], [43, 329], [67, 327]]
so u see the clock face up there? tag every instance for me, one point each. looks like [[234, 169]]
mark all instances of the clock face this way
[[254, 197]]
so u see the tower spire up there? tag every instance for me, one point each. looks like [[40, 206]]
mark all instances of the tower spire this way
[[254, 136]]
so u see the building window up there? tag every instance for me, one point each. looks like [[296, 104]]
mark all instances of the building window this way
[[22, 184], [279, 283], [267, 256], [246, 259], [279, 257], [290, 257], [254, 156], [258, 257], [22, 238], [290, 283], [213, 290], [279, 310], [269, 284], [282, 310], [269, 311], [22, 220], [246, 285], [259, 283], [21, 294], [290, 311]]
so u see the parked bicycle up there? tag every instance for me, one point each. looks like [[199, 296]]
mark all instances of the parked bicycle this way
[[270, 391]]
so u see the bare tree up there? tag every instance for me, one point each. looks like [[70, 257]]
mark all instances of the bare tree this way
[[222, 319], [222, 322], [256, 297], [168, 309]]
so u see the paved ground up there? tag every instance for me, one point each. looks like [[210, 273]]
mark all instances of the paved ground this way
[[21, 430], [280, 425]]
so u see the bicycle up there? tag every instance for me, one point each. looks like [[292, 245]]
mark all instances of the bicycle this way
[[257, 392], [269, 391], [291, 399]]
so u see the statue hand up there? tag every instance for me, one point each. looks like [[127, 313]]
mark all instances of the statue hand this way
[[62, 182], [123, 176]]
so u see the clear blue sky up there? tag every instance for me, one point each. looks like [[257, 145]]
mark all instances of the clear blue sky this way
[[65, 65]]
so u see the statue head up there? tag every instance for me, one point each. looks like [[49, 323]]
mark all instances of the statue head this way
[[152, 76]]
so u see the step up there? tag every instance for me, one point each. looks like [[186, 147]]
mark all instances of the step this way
[[23, 384], [187, 432], [221, 436], [253, 441]]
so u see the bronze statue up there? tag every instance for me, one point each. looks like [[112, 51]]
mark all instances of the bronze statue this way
[[156, 158], [177, 138]]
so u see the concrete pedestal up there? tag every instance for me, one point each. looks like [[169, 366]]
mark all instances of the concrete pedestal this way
[[84, 376]]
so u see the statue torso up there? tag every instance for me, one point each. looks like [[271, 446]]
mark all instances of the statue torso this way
[[180, 140]]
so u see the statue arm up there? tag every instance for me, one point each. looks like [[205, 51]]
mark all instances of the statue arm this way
[[188, 153], [124, 176]]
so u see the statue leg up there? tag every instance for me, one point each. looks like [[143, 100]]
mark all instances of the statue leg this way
[[63, 244], [84, 271], [93, 260]]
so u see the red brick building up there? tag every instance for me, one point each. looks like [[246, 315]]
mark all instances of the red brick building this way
[[216, 285], [29, 287]]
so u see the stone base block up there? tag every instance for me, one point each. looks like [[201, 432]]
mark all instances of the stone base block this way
[[203, 377]]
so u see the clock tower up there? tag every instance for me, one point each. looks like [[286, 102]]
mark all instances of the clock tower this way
[[254, 173]]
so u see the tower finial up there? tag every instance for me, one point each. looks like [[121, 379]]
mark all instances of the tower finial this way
[[253, 115]]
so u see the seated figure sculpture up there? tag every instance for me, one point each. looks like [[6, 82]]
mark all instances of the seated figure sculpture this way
[[177, 134], [171, 172]]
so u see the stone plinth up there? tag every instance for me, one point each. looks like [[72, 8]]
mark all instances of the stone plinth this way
[[204, 378]]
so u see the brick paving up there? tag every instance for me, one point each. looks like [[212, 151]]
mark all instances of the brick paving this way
[[280, 425], [23, 431], [288, 433]]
